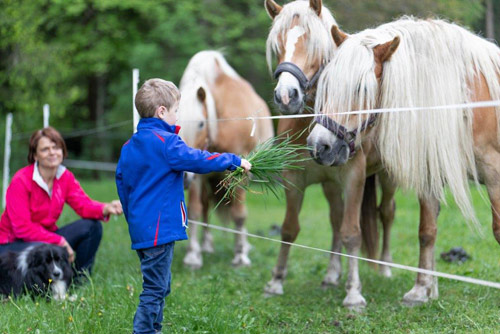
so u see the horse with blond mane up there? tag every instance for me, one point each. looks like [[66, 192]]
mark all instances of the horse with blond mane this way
[[301, 41], [211, 93], [416, 63]]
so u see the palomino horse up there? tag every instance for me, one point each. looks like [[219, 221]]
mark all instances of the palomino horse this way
[[416, 63], [300, 38], [211, 90]]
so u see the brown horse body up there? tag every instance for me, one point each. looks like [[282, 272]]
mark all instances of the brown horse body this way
[[212, 91], [405, 63]]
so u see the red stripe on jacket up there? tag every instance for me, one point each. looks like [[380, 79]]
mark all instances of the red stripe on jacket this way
[[157, 229], [183, 214], [161, 138], [213, 156]]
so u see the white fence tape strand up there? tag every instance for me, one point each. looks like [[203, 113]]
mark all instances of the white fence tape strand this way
[[92, 165], [472, 105], [389, 264]]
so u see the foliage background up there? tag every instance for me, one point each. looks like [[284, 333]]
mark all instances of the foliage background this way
[[78, 55]]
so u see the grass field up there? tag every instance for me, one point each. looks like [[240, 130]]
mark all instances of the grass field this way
[[221, 299]]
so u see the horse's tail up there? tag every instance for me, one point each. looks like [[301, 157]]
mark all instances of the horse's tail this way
[[368, 223]]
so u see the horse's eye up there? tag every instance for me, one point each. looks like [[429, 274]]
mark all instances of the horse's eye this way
[[201, 125]]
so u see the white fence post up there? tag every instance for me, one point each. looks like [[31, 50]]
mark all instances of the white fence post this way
[[135, 83], [6, 158], [46, 115]]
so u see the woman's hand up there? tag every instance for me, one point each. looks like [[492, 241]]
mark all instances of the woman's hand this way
[[113, 208], [246, 165], [71, 253]]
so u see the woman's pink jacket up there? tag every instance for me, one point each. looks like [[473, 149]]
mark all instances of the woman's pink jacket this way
[[31, 212]]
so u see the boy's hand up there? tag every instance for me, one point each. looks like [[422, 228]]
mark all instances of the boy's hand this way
[[246, 165]]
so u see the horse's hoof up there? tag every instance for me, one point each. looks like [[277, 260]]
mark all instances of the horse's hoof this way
[[417, 296], [327, 284], [355, 302], [193, 260], [207, 248], [241, 260], [273, 288], [331, 280], [385, 271]]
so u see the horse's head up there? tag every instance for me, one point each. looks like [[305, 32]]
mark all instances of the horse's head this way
[[195, 104], [301, 41], [350, 82], [193, 114]]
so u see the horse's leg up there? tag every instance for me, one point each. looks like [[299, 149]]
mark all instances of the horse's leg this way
[[193, 258], [207, 244], [333, 194], [351, 233], [426, 285], [490, 169], [239, 215], [494, 194], [289, 231], [387, 209]]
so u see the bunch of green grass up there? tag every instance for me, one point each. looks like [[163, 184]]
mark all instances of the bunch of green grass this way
[[268, 160]]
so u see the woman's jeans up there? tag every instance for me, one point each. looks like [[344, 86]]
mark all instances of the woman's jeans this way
[[156, 276], [83, 235]]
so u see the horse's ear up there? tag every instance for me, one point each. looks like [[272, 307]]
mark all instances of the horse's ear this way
[[316, 5], [272, 8], [201, 94], [338, 35], [383, 52]]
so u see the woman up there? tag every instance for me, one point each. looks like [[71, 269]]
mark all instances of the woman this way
[[35, 200]]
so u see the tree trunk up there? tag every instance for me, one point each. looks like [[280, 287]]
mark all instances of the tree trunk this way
[[490, 27], [100, 149]]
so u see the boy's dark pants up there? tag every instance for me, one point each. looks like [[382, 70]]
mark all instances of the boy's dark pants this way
[[155, 268]]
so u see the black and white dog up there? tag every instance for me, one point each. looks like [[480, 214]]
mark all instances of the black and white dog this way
[[38, 270]]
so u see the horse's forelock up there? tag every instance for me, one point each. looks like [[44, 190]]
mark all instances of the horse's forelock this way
[[348, 83], [320, 45]]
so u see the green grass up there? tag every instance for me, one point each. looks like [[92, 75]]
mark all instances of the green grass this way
[[222, 299]]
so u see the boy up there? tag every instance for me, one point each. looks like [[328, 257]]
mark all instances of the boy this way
[[149, 179]]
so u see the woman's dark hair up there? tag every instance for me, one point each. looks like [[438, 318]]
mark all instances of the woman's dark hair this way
[[50, 133]]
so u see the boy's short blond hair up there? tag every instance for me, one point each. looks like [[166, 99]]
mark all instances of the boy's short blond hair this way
[[155, 93]]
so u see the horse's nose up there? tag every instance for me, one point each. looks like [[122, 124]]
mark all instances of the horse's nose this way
[[293, 93], [323, 148], [277, 97]]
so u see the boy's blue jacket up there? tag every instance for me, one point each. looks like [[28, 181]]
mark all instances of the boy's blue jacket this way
[[149, 179]]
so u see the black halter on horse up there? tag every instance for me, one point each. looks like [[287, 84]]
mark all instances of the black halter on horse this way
[[342, 133], [305, 84]]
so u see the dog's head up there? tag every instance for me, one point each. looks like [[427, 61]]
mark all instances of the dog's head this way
[[46, 265], [50, 262]]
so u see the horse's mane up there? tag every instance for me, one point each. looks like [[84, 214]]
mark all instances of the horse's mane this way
[[319, 43], [201, 71], [436, 63]]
